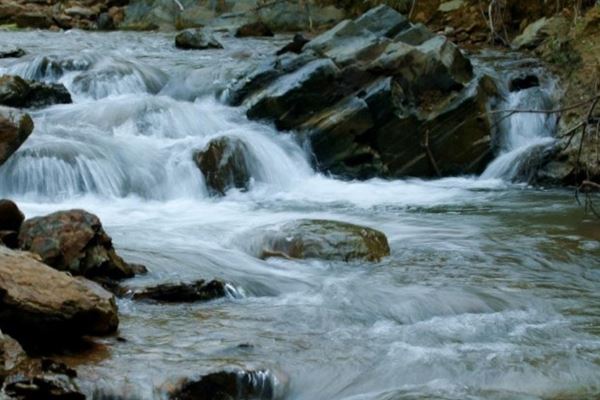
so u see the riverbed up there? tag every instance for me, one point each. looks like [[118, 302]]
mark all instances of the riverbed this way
[[490, 292]]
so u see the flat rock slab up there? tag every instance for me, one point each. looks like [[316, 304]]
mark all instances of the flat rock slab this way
[[39, 302], [183, 292]]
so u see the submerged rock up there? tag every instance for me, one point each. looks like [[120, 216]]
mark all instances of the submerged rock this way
[[196, 39], [377, 96], [326, 240], [234, 385], [74, 241], [41, 304], [224, 165], [11, 52], [183, 292], [15, 128], [253, 29]]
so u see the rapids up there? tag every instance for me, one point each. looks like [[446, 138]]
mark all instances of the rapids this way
[[491, 291]]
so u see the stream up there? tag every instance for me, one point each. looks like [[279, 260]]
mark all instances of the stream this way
[[491, 290]]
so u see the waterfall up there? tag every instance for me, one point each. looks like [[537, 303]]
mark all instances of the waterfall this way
[[121, 137], [523, 137]]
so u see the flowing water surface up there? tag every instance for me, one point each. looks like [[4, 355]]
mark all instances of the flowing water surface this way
[[491, 291]]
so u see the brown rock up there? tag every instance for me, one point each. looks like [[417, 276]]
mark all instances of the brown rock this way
[[15, 128], [253, 29], [41, 304], [326, 240], [224, 165], [74, 241]]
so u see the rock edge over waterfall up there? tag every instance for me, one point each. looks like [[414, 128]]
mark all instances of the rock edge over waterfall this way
[[377, 96]]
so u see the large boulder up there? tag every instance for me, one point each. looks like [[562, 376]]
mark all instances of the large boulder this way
[[18, 92], [377, 96], [290, 98], [15, 128], [196, 39], [74, 241], [39, 303], [224, 164], [183, 292], [323, 239], [234, 384]]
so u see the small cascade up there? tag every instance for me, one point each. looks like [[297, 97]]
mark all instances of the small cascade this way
[[523, 138], [121, 137]]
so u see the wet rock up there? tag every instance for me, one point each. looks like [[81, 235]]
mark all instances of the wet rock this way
[[234, 385], [253, 29], [11, 52], [455, 127], [197, 39], [11, 218], [46, 387], [12, 356], [326, 240], [40, 304], [367, 87], [9, 239], [383, 21], [15, 128], [18, 92], [224, 165], [74, 241], [415, 35], [183, 292], [295, 46], [290, 99], [336, 133], [251, 85], [523, 82]]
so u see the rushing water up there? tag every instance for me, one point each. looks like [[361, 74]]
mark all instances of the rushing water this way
[[491, 291]]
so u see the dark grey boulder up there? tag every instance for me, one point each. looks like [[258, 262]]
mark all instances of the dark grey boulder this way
[[18, 92]]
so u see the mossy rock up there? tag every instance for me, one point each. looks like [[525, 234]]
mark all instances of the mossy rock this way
[[325, 240]]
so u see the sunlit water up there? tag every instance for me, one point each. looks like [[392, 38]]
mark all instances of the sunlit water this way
[[491, 291]]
